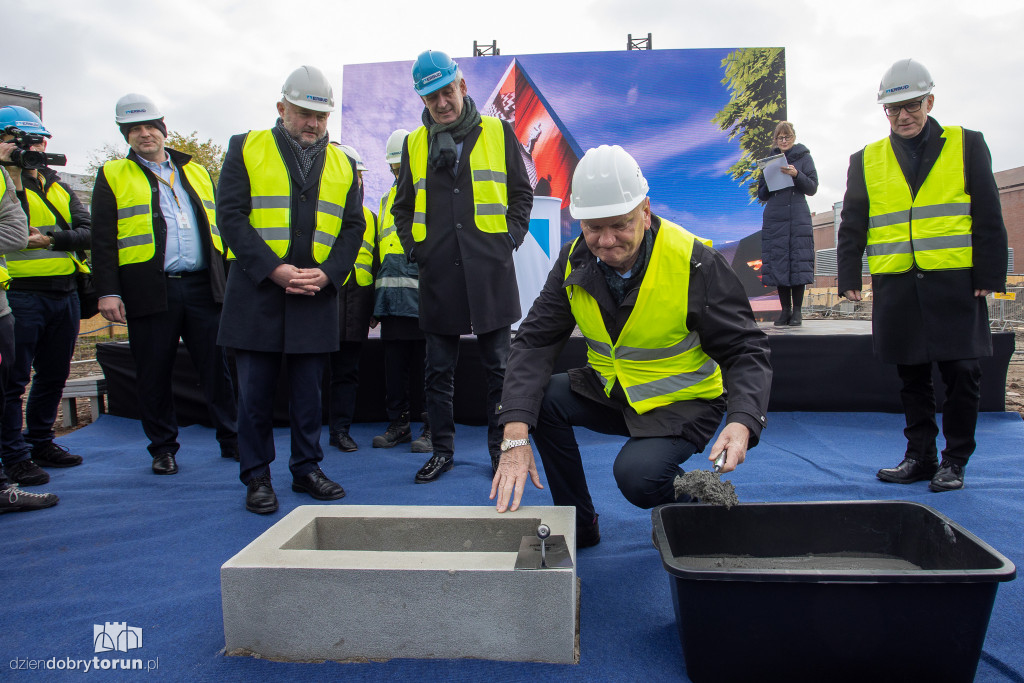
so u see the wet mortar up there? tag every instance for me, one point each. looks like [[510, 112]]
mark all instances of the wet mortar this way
[[707, 487]]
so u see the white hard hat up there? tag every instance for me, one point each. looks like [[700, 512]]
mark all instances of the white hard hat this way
[[393, 150], [352, 154], [904, 80], [607, 182], [135, 107], [307, 87]]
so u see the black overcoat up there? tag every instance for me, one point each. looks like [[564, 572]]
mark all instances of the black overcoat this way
[[258, 315], [922, 316], [467, 277], [787, 241]]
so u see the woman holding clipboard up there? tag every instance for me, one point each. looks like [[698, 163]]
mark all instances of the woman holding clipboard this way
[[787, 246]]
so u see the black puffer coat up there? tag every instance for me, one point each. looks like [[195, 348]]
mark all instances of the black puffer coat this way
[[787, 245]]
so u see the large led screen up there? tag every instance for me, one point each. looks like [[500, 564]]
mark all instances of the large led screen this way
[[695, 120]]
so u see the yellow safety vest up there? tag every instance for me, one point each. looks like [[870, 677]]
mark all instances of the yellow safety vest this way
[[931, 229], [487, 165], [656, 360], [5, 276], [136, 241], [364, 259], [271, 189], [38, 262]]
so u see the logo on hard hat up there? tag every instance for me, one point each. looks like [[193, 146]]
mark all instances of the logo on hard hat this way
[[432, 77], [892, 90], [135, 111], [314, 98]]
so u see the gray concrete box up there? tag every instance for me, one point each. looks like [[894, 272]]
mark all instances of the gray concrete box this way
[[377, 582]]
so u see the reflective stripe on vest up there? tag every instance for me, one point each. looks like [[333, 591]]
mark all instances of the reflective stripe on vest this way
[[657, 360], [134, 196], [271, 190], [364, 258], [387, 235], [44, 262], [200, 180], [487, 166], [931, 229], [5, 277]]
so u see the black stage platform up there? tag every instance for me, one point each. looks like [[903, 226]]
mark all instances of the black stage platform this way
[[823, 366]]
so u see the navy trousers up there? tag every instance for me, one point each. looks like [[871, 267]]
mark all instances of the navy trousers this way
[[45, 330], [257, 384], [344, 386], [193, 316], [644, 468]]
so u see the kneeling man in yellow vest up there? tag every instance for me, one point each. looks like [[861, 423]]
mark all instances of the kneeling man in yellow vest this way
[[672, 347]]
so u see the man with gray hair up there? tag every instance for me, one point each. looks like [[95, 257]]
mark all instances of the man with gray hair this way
[[291, 213], [462, 206]]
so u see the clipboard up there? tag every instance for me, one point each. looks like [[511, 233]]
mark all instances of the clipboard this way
[[771, 167]]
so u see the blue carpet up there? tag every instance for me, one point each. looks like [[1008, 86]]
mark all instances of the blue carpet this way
[[125, 545]]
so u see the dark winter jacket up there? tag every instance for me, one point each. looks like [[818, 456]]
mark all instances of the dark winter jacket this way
[[143, 286], [787, 243], [717, 309], [922, 316], [74, 238], [467, 277], [258, 315]]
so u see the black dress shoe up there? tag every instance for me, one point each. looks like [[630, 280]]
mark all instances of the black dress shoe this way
[[950, 477], [343, 441], [260, 497], [435, 467], [588, 535], [907, 472], [318, 485], [163, 463]]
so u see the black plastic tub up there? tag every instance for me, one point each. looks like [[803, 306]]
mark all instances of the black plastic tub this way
[[865, 591]]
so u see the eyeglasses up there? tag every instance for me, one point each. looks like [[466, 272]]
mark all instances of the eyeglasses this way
[[909, 107], [783, 138]]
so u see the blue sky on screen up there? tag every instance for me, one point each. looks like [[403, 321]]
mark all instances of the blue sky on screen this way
[[658, 105]]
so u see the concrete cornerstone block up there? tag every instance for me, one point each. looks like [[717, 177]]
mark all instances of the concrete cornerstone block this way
[[377, 582]]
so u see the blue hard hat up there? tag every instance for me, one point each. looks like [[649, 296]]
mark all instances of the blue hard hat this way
[[22, 119], [432, 70]]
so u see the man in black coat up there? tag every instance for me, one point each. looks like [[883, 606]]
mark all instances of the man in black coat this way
[[159, 268], [461, 208], [291, 213], [924, 204]]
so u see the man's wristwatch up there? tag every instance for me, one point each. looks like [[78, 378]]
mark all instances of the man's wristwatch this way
[[509, 444]]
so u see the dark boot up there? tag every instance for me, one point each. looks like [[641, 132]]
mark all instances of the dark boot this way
[[423, 444], [784, 317], [796, 319], [398, 432]]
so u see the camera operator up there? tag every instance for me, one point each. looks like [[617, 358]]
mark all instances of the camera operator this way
[[44, 299]]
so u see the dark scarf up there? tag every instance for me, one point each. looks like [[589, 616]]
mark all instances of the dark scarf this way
[[444, 136], [305, 156], [619, 286]]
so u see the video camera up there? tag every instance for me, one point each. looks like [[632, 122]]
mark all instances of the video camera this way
[[24, 157]]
